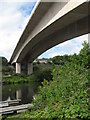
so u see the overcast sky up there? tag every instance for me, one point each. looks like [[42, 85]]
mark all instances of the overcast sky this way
[[13, 19]]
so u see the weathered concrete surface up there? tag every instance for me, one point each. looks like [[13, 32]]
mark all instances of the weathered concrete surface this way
[[8, 110], [51, 23], [18, 68], [30, 68]]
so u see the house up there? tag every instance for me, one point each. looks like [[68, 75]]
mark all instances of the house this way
[[43, 60]]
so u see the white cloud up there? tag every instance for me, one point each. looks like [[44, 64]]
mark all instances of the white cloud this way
[[68, 47], [18, 1], [13, 19]]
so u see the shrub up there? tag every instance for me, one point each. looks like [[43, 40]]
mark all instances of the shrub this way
[[42, 74], [67, 95]]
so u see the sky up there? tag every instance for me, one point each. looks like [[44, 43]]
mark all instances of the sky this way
[[14, 16]]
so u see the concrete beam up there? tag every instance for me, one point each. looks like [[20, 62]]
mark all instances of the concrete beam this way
[[30, 68], [18, 68], [51, 24]]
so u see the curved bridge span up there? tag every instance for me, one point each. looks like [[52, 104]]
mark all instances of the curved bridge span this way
[[50, 23]]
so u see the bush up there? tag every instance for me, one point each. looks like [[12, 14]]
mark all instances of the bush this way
[[42, 74], [67, 95]]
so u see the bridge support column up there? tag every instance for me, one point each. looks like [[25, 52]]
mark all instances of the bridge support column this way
[[30, 68], [18, 94], [18, 68]]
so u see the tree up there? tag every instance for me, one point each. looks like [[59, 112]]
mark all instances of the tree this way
[[4, 61]]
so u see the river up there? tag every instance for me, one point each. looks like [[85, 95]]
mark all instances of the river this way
[[24, 91]]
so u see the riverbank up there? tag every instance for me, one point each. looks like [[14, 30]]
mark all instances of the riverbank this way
[[66, 96], [15, 79], [41, 72]]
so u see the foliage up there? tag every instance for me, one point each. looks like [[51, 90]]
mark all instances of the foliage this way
[[4, 61], [67, 95], [60, 60], [38, 75], [16, 79], [6, 67], [41, 74]]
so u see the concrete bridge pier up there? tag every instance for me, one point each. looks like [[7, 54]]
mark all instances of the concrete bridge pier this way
[[18, 68], [18, 94], [30, 68]]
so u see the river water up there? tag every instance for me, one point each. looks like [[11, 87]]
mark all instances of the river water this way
[[23, 91]]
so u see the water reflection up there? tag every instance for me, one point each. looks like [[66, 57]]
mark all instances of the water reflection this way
[[23, 91]]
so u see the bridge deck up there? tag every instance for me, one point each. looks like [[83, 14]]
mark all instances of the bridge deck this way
[[17, 108]]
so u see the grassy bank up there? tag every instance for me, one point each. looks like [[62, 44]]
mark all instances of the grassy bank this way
[[15, 79], [41, 72]]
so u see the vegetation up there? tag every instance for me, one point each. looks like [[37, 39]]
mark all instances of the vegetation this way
[[60, 60], [6, 68], [67, 94], [14, 79], [41, 72], [39, 75]]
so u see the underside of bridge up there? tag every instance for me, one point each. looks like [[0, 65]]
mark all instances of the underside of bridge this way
[[46, 29]]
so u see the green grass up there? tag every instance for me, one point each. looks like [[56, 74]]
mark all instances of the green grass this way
[[14, 79]]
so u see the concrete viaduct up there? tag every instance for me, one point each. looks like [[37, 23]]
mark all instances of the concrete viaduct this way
[[50, 23]]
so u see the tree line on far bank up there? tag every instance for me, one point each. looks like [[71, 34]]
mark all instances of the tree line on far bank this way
[[44, 70]]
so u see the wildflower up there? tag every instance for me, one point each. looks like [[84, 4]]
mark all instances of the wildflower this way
[[88, 88], [82, 83]]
